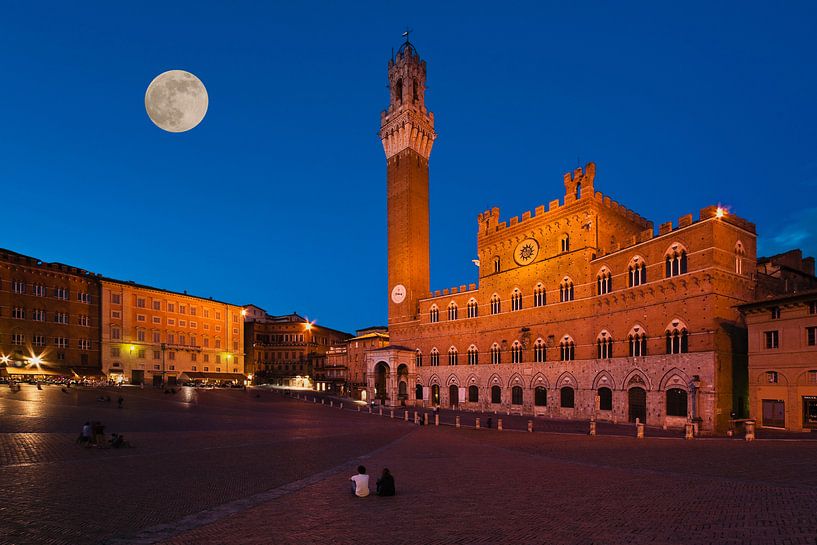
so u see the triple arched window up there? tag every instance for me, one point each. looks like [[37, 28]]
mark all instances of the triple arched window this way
[[636, 272], [638, 341], [604, 346], [676, 260], [434, 314], [566, 290], [539, 295], [453, 356], [496, 354], [473, 308], [435, 357], [516, 352], [473, 355], [452, 310], [677, 338], [567, 349], [539, 351], [495, 305], [516, 300], [418, 358], [604, 281]]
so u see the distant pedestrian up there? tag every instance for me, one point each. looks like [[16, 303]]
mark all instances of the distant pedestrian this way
[[360, 483], [120, 401], [385, 484], [85, 435]]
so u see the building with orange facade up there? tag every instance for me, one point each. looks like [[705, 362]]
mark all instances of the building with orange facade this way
[[782, 333], [49, 319], [156, 336], [345, 369], [581, 309], [286, 350]]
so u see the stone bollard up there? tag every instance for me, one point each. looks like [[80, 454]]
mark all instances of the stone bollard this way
[[358, 408], [331, 403], [498, 424], [405, 416], [370, 409], [391, 413], [688, 431], [530, 426], [314, 399], [592, 427], [341, 405], [323, 401], [416, 417], [425, 419], [749, 426], [436, 419], [457, 421], [639, 431], [380, 412], [476, 424]]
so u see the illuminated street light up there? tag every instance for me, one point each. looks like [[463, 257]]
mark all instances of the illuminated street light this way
[[720, 212]]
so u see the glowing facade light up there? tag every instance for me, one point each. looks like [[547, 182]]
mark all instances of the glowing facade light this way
[[720, 212], [5, 359]]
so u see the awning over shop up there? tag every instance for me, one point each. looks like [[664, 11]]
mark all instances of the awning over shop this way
[[198, 375]]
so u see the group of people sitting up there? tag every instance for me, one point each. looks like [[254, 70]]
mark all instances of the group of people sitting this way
[[93, 435], [360, 483]]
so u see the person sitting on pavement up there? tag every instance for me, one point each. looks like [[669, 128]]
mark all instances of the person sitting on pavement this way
[[385, 484], [360, 483], [85, 434]]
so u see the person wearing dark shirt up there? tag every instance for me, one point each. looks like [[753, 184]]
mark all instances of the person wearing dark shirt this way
[[385, 484]]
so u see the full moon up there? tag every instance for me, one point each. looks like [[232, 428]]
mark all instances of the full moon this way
[[176, 101]]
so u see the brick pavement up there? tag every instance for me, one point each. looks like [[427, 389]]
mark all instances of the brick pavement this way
[[228, 467]]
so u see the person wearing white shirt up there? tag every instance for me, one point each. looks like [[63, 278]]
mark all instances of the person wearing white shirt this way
[[360, 483]]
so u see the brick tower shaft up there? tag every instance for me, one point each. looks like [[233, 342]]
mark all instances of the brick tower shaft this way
[[407, 133]]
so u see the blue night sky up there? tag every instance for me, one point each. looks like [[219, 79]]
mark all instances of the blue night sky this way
[[278, 197]]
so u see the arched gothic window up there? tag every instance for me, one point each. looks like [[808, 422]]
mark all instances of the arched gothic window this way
[[677, 338], [604, 346], [568, 349], [496, 354], [565, 242], [516, 352], [453, 355], [539, 295], [566, 290], [452, 310], [495, 304], [539, 351], [473, 308], [740, 253], [637, 272], [604, 281], [676, 261], [418, 358], [638, 341], [516, 300], [434, 314], [516, 395], [435, 357], [473, 355], [497, 264]]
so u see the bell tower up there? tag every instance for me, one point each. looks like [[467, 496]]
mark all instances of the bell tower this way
[[407, 133]]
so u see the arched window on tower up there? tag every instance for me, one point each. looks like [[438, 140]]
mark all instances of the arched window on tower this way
[[568, 348], [418, 358], [565, 242], [497, 264], [435, 357], [676, 260], [740, 253], [495, 308], [414, 96], [637, 272], [516, 300], [496, 355], [516, 352], [473, 308], [578, 191], [638, 341], [434, 314], [539, 351], [473, 355], [677, 338], [539, 299], [453, 356], [398, 91], [604, 346], [566, 290], [452, 310], [604, 281]]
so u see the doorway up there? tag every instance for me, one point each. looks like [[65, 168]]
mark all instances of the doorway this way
[[774, 413], [453, 395], [637, 405]]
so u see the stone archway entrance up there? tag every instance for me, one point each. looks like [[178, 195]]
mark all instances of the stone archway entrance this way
[[435, 394], [637, 404], [453, 395], [381, 381], [402, 383]]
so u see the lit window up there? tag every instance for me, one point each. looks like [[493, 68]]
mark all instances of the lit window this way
[[772, 377]]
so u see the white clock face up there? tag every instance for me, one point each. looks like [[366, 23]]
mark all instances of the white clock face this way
[[398, 293]]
